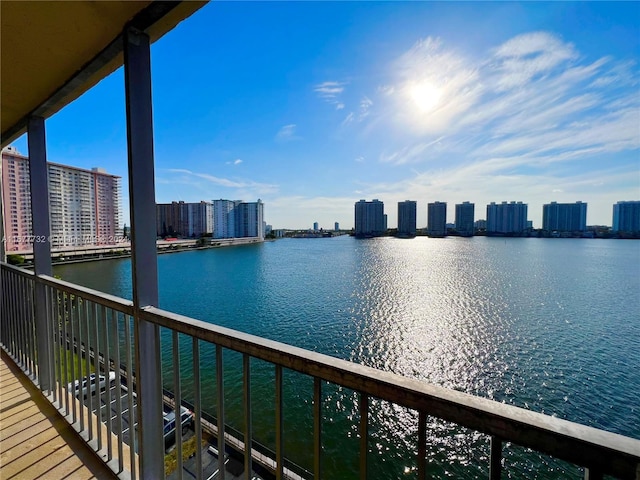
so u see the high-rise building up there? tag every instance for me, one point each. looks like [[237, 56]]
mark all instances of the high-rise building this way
[[234, 219], [626, 216], [564, 217], [465, 215], [369, 221], [84, 205], [506, 217], [315, 226], [250, 219], [336, 226], [437, 219], [184, 219], [407, 212], [224, 218]]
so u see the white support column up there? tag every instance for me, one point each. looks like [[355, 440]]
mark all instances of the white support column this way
[[41, 247], [144, 266]]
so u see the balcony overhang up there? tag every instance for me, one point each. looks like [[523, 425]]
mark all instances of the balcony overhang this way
[[52, 52]]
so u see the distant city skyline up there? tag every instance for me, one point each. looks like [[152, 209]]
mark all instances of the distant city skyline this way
[[311, 106]]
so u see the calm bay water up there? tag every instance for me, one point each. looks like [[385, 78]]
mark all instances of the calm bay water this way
[[552, 325]]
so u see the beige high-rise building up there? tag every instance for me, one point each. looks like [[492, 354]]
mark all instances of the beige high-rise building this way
[[84, 205]]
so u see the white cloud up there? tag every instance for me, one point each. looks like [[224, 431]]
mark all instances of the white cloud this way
[[523, 57], [228, 183], [329, 89], [287, 133], [365, 105], [237, 161], [330, 92], [348, 119]]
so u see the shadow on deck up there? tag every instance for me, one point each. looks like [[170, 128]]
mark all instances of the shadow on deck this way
[[35, 440]]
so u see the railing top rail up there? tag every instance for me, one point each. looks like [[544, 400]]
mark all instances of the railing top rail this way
[[110, 301], [17, 270], [580, 444]]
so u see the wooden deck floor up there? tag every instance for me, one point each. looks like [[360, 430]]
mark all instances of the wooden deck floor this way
[[35, 441]]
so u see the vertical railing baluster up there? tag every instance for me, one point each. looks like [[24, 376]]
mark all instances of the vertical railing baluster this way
[[107, 378], [32, 328], [177, 396], [220, 382], [35, 373], [96, 365], [279, 425], [116, 347], [317, 428], [21, 340], [422, 445], [28, 317], [49, 323], [198, 408], [86, 395], [74, 355], [495, 461], [133, 417], [248, 425], [59, 295], [25, 326], [80, 305], [66, 297], [593, 474], [364, 433]]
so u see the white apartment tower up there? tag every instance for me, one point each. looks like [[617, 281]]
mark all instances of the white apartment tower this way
[[234, 219]]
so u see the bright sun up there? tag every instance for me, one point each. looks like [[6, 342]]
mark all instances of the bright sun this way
[[425, 95]]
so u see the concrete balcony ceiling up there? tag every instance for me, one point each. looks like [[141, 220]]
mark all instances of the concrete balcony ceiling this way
[[52, 52]]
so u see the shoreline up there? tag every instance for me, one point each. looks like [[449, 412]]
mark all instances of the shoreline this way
[[113, 252]]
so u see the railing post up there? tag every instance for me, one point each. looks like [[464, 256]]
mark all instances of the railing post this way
[[144, 267], [41, 247]]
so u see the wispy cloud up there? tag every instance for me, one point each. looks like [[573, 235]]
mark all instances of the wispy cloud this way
[[259, 188], [330, 92], [287, 133], [237, 161]]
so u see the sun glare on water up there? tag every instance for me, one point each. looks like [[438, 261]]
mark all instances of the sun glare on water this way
[[425, 95]]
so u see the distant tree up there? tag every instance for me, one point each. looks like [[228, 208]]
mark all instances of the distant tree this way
[[13, 259]]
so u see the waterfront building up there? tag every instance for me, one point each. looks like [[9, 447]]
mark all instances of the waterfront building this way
[[336, 226], [369, 218], [184, 219], [236, 219], [407, 212], [626, 216], [480, 224], [84, 205], [315, 226], [224, 218], [564, 217], [465, 213], [506, 217], [437, 219]]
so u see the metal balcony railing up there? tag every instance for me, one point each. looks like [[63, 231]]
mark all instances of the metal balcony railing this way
[[90, 332]]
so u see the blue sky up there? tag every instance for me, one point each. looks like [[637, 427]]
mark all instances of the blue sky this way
[[313, 106]]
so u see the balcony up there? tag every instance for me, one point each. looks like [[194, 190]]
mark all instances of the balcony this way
[[134, 357]]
